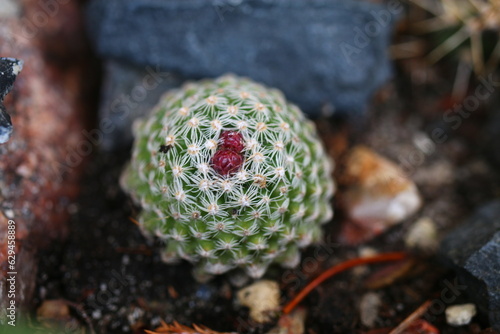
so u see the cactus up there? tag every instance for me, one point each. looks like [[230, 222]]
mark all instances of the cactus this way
[[230, 176]]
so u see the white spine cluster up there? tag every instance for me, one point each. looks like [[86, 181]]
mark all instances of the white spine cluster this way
[[262, 213]]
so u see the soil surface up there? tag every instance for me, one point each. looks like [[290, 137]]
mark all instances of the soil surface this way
[[120, 284]]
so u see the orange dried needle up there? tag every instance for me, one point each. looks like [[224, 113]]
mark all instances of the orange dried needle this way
[[385, 257], [134, 221]]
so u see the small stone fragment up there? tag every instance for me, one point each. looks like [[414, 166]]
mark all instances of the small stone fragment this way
[[438, 174], [376, 193], [459, 315], [53, 309], [422, 235], [9, 69], [364, 251], [368, 308], [9, 8], [262, 297], [55, 315], [367, 251]]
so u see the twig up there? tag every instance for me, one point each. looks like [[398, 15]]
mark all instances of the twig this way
[[411, 318], [133, 220], [82, 313], [176, 328], [339, 268], [378, 331]]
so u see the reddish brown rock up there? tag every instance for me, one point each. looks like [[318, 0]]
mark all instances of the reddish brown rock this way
[[41, 163]]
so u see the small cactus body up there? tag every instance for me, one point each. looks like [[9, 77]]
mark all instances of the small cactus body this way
[[230, 176]]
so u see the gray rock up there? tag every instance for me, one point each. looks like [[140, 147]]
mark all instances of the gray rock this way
[[491, 137], [128, 92], [9, 69], [321, 53], [473, 249]]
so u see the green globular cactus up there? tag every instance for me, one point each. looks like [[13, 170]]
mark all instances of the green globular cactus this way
[[230, 176]]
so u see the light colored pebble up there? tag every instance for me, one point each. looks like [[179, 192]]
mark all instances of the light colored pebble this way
[[9, 213], [378, 194], [9, 8], [369, 307], [262, 297], [459, 315], [364, 251], [422, 235]]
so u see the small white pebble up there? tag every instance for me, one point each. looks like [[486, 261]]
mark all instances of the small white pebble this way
[[9, 213], [367, 251], [368, 308], [11, 9], [263, 299], [96, 314], [422, 235], [424, 143], [459, 315], [364, 251]]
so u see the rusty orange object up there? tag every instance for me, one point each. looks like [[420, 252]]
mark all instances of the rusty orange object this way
[[394, 256]]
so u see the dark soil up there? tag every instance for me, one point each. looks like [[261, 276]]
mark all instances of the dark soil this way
[[117, 276]]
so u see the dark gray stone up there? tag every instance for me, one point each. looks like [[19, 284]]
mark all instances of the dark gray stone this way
[[128, 92], [473, 249], [491, 135], [9, 69], [318, 52]]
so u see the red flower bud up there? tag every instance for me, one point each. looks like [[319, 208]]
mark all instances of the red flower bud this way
[[226, 161], [232, 140]]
